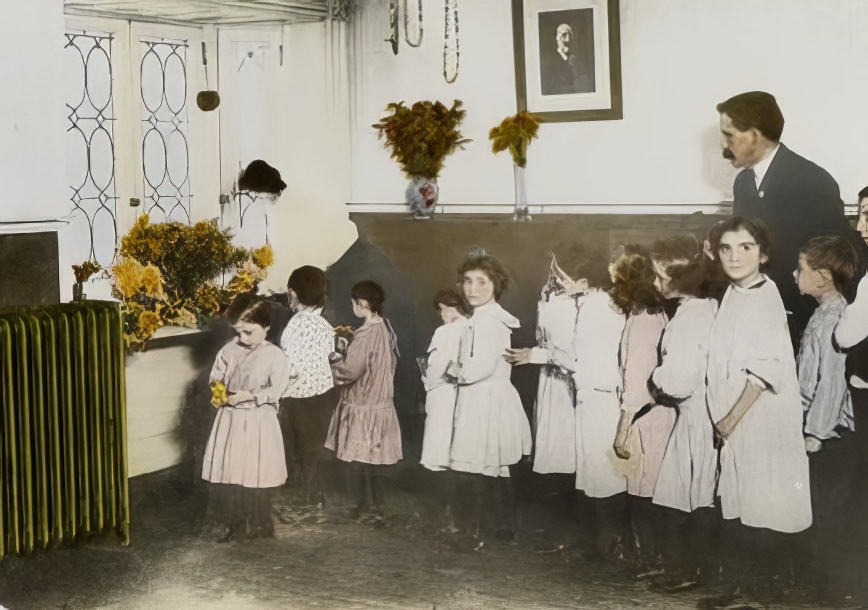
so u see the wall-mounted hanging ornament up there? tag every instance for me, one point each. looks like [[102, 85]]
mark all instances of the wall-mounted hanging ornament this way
[[450, 41], [393, 26], [207, 99], [418, 41]]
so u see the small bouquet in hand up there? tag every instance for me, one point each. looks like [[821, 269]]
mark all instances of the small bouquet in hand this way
[[219, 395], [343, 336]]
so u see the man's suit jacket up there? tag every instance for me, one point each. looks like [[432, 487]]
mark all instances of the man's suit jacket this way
[[798, 200]]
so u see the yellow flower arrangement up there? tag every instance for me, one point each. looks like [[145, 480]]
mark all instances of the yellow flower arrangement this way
[[171, 273], [514, 134], [262, 257], [83, 271], [219, 395]]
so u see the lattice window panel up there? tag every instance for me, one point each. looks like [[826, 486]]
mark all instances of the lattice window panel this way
[[165, 150], [90, 144]]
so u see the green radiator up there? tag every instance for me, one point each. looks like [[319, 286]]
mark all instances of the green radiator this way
[[63, 431]]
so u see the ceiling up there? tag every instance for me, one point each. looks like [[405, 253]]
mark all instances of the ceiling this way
[[217, 12]]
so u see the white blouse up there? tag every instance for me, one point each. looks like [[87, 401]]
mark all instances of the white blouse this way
[[307, 341]]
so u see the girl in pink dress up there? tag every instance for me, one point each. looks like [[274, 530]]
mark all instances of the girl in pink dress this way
[[364, 429], [644, 426], [244, 456]]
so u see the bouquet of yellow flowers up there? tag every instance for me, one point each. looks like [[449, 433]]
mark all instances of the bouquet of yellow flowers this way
[[514, 134], [219, 395], [172, 273]]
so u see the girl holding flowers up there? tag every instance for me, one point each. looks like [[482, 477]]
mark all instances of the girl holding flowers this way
[[244, 456]]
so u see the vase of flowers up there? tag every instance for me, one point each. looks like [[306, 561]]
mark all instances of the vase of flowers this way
[[175, 274], [83, 273], [420, 137], [514, 134]]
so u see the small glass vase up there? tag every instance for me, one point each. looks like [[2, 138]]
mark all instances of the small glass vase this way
[[78, 292], [521, 213]]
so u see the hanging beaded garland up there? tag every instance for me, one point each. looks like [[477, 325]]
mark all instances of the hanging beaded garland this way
[[418, 42], [450, 41], [393, 26]]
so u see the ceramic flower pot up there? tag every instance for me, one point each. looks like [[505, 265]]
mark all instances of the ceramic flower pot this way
[[421, 195]]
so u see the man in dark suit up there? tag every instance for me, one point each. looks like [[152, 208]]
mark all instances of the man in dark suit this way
[[561, 70], [798, 199]]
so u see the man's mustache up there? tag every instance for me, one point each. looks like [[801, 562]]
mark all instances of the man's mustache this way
[[727, 154]]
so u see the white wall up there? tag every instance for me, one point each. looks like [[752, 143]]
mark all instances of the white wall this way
[[32, 157], [299, 125], [679, 59], [31, 131]]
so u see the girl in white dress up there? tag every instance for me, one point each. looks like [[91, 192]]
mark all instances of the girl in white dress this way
[[597, 379], [754, 403], [441, 391], [491, 430], [688, 472], [554, 422], [753, 391]]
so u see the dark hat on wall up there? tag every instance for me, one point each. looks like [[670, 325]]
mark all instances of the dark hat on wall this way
[[260, 177]]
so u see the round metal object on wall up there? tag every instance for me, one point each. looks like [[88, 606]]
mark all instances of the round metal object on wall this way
[[207, 100]]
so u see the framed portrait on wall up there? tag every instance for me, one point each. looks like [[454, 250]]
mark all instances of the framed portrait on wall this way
[[568, 59]]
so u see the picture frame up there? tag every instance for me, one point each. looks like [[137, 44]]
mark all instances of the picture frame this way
[[567, 56]]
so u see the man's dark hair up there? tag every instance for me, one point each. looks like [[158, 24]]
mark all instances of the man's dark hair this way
[[755, 110], [862, 194]]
